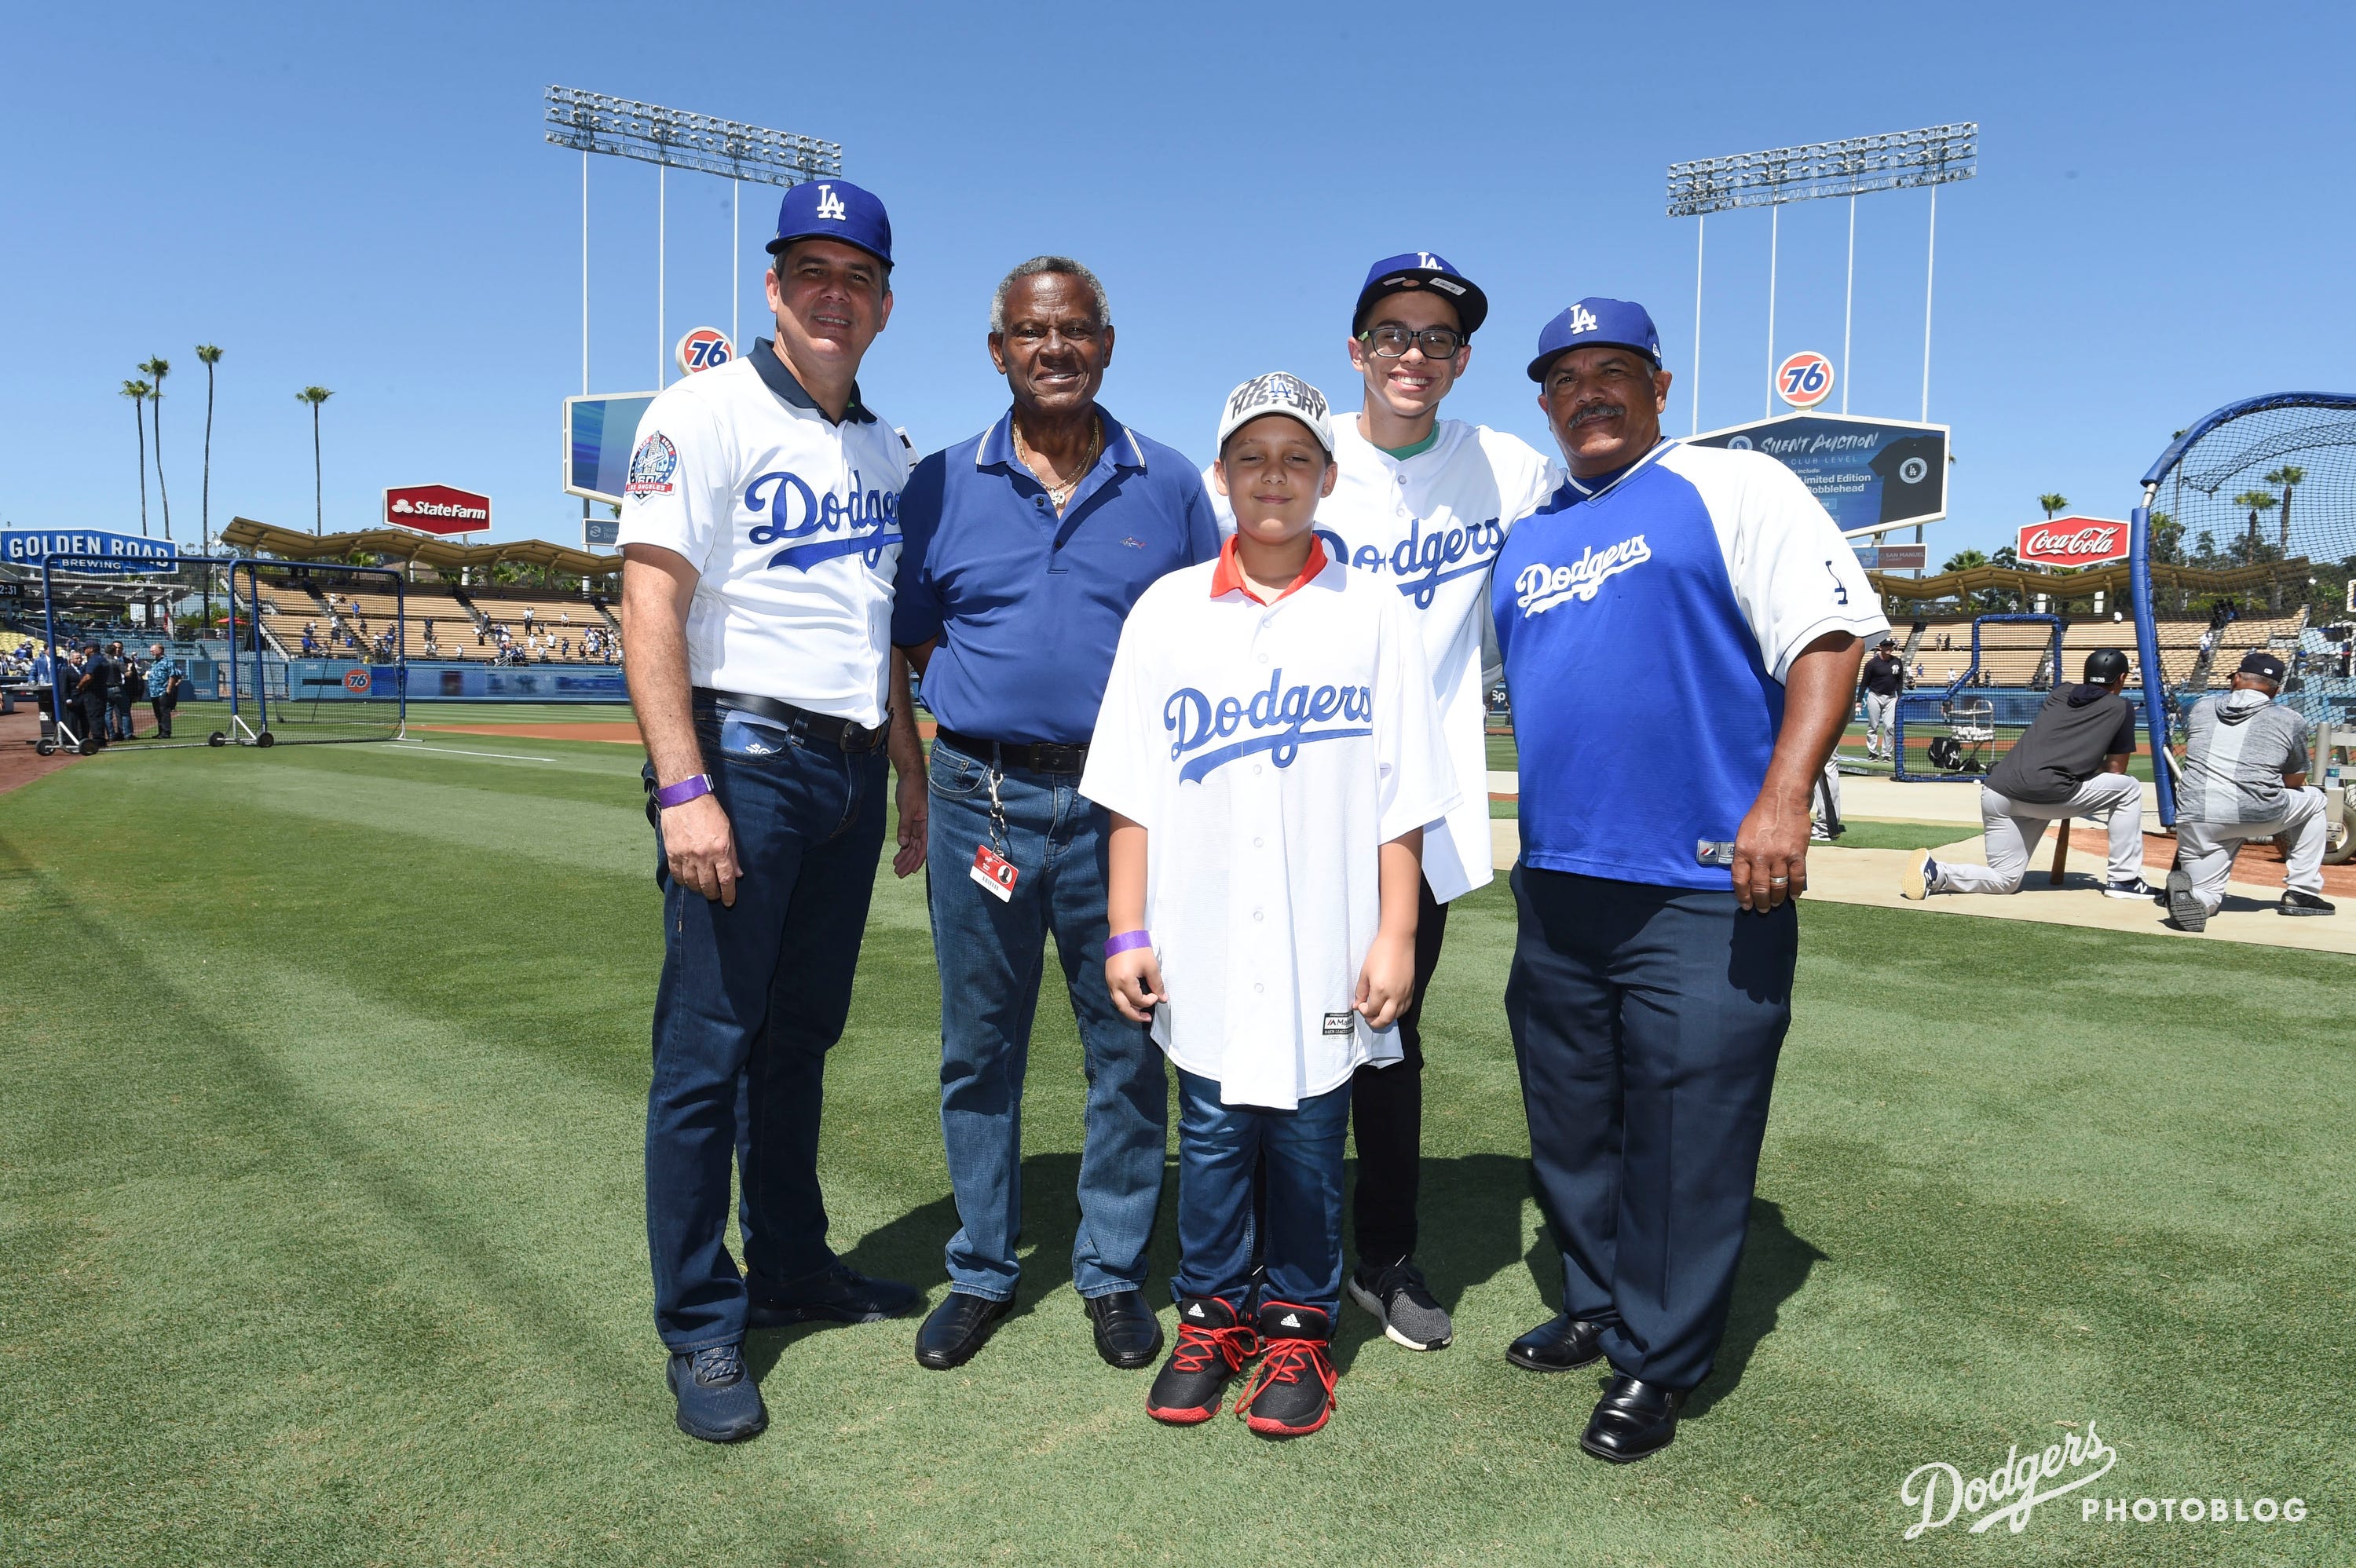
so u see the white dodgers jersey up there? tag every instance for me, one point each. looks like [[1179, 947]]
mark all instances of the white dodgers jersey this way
[[792, 523], [1430, 527]]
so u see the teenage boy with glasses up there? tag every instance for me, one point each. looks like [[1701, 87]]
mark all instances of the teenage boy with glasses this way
[[1425, 504]]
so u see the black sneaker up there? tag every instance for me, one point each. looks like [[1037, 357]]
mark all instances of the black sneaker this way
[[2296, 902], [1213, 1347], [1403, 1304], [2133, 888], [838, 1294], [718, 1399], [1291, 1395], [2184, 904]]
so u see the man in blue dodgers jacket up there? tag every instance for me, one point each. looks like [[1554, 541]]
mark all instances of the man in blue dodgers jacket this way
[[1682, 629]]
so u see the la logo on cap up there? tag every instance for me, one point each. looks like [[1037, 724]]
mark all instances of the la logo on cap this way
[[830, 205], [1582, 319]]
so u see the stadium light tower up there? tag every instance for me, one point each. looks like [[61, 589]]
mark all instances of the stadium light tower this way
[[1898, 160], [677, 139]]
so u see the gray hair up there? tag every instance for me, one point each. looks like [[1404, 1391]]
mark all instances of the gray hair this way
[[1035, 267]]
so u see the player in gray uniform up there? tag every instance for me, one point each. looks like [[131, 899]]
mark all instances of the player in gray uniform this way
[[1883, 678], [2245, 777]]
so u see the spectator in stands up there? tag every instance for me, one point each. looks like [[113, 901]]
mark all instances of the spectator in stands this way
[[2071, 761], [2245, 777], [163, 689]]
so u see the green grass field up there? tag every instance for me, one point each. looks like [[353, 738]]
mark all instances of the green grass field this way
[[321, 1237]]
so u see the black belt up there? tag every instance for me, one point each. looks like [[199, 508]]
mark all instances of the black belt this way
[[824, 727], [1039, 757]]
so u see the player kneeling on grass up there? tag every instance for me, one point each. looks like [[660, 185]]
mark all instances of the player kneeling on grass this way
[[1271, 755], [2071, 761], [2245, 777]]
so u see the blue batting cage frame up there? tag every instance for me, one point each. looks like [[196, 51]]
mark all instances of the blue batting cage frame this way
[[2156, 697], [301, 572], [2011, 704], [52, 564]]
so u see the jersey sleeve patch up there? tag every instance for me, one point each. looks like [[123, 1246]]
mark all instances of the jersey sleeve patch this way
[[652, 465]]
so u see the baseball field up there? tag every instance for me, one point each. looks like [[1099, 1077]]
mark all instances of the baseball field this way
[[321, 1237]]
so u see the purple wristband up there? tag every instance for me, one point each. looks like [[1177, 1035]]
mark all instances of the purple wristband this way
[[1126, 940], [686, 789]]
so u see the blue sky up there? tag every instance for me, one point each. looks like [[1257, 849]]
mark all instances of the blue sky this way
[[359, 197]]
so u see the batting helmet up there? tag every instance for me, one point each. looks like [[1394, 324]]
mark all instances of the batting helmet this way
[[2104, 665]]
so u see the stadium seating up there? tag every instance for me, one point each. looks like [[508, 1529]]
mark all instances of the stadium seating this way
[[566, 617]]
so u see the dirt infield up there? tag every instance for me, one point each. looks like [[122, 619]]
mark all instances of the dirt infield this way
[[19, 765]]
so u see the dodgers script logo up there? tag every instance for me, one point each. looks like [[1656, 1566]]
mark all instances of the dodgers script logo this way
[[1279, 718], [1422, 561], [816, 527], [651, 466], [1542, 587]]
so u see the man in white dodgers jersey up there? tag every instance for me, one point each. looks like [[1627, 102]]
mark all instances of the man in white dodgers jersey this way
[[1272, 760], [761, 536], [1423, 504], [1665, 833]]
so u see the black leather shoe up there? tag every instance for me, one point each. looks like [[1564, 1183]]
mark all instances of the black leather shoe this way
[[957, 1329], [838, 1294], [1128, 1334], [1632, 1419], [1558, 1345]]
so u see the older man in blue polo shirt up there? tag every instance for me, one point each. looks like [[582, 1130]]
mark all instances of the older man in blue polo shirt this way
[[1023, 551]]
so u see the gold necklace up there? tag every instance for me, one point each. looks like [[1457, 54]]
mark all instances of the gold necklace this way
[[1058, 495]]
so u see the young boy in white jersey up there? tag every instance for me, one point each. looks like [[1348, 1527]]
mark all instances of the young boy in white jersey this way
[[1271, 755], [1424, 504]]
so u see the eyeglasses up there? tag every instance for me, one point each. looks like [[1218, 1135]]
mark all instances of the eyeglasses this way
[[1391, 342]]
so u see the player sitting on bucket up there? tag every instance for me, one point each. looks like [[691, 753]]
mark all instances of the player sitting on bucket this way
[[2245, 777], [1271, 755], [2071, 761]]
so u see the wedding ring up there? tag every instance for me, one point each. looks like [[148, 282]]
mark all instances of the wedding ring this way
[[1779, 881]]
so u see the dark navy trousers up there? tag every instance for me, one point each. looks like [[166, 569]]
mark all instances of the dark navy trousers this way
[[1646, 1024], [751, 998]]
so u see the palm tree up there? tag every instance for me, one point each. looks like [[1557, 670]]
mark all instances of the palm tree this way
[[209, 354], [2053, 501], [2289, 476], [315, 395], [2256, 501], [137, 392], [156, 368]]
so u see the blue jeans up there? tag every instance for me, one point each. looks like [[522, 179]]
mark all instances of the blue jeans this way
[[1646, 1023], [1218, 1149], [752, 996], [991, 955]]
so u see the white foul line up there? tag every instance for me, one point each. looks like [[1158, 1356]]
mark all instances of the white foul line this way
[[501, 756]]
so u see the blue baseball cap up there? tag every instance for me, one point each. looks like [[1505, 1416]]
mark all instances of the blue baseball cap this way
[[1592, 322], [1422, 270], [834, 209]]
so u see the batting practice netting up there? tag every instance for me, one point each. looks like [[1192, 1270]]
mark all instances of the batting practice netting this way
[[2246, 539], [1958, 731], [321, 654], [170, 618]]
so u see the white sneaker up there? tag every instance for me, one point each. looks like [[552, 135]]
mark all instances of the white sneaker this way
[[1921, 874]]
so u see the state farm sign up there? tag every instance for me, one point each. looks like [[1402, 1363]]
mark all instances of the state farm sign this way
[[437, 509], [2074, 541]]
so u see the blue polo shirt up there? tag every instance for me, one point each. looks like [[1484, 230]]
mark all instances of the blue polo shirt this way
[[1027, 604]]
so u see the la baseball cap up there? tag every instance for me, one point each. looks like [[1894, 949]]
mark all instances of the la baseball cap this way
[[1277, 393], [834, 209], [1596, 321], [2262, 664], [1423, 271]]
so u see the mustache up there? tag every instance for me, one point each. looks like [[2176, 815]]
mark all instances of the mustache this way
[[1598, 411]]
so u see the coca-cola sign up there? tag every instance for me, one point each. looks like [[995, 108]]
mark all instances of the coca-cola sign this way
[[2072, 542]]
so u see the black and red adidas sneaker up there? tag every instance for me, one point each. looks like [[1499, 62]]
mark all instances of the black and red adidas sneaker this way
[[1213, 1347], [1291, 1395]]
